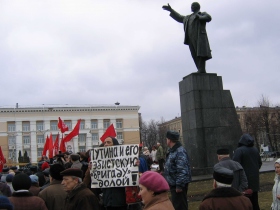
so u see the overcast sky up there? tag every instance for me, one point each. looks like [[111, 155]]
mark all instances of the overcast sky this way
[[102, 51]]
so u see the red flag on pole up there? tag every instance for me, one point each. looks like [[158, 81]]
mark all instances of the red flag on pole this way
[[46, 146], [62, 147], [73, 133], [109, 132], [2, 160], [56, 145], [51, 146], [62, 126]]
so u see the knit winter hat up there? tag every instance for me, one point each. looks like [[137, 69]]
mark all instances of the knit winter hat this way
[[34, 179], [5, 203], [21, 182], [154, 181], [44, 166], [55, 171], [9, 178], [223, 175]]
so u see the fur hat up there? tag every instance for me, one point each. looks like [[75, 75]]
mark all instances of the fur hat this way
[[5, 170], [222, 151], [75, 157], [72, 172], [21, 182], [34, 179], [9, 178], [55, 171], [173, 135], [154, 181], [13, 168], [46, 172], [223, 175], [5, 203], [44, 166]]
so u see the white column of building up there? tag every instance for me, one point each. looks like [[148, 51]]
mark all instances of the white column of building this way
[[33, 142], [101, 130], [88, 134], [18, 145], [75, 139]]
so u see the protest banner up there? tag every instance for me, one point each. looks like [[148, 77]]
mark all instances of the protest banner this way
[[114, 166]]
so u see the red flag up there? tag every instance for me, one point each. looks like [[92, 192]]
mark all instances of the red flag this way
[[73, 133], [62, 126], [51, 146], [2, 159], [46, 146], [109, 132], [62, 147], [56, 145]]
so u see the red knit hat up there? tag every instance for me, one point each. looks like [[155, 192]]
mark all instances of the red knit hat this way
[[44, 166], [154, 181]]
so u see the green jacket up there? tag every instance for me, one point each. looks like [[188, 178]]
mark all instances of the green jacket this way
[[160, 153]]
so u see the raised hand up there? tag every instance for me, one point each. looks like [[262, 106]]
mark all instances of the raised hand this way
[[167, 7]]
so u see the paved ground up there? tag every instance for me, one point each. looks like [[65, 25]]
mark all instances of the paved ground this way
[[266, 166]]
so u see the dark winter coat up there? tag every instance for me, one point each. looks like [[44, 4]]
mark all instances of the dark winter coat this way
[[5, 189], [81, 198], [248, 156], [225, 198], [177, 169], [240, 182], [25, 200], [114, 197], [54, 195]]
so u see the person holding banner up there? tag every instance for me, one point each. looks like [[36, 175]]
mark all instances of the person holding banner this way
[[154, 191], [114, 198]]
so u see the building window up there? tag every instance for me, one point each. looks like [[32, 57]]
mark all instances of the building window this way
[[40, 139], [39, 126], [69, 124], [95, 138], [12, 140], [119, 135], [82, 138], [106, 124], [94, 124], [11, 127], [82, 148], [39, 152], [82, 124], [25, 126], [119, 124], [26, 140], [54, 125]]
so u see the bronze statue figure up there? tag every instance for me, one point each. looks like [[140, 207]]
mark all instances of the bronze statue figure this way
[[195, 33]]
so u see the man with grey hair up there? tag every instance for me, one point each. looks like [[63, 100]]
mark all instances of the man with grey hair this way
[[78, 195], [223, 196]]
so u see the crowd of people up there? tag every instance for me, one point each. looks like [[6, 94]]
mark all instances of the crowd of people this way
[[65, 181]]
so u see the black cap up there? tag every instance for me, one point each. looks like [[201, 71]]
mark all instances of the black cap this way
[[21, 182], [222, 151], [55, 171], [72, 172], [173, 135], [5, 169], [223, 175]]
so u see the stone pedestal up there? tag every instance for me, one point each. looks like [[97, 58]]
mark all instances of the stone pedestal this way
[[209, 120]]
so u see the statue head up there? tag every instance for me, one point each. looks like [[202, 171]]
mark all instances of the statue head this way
[[195, 7]]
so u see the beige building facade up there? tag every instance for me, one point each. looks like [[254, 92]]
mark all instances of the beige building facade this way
[[26, 128]]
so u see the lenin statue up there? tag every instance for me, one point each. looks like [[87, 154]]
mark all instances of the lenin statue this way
[[195, 33]]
